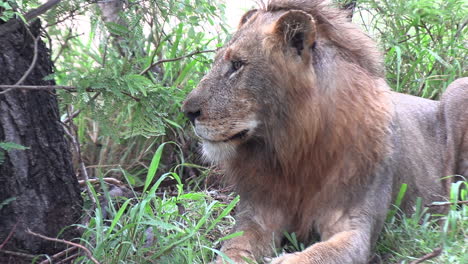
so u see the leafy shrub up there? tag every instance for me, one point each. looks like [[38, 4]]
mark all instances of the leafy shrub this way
[[424, 41]]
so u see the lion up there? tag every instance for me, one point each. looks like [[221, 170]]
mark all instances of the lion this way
[[297, 112]]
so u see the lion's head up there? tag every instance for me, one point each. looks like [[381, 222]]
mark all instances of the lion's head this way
[[295, 77]]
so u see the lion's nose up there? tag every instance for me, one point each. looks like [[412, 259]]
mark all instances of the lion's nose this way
[[191, 110], [193, 115]]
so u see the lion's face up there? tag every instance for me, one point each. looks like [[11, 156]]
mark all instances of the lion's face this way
[[239, 98]]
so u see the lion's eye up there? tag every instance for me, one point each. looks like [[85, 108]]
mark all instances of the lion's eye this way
[[236, 65]]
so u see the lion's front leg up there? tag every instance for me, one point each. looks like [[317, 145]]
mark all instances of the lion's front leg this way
[[343, 248], [248, 247], [261, 231]]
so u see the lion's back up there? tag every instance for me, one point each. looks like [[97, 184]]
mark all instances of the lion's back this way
[[417, 144], [455, 111], [430, 141]]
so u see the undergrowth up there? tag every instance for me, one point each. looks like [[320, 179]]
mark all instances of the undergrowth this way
[[188, 227], [406, 238], [154, 226]]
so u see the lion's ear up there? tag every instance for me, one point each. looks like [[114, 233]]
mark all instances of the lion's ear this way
[[246, 17], [296, 29]]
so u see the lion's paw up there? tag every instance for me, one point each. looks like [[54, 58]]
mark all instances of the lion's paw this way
[[293, 258]]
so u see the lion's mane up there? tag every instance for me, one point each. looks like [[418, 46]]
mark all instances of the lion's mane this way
[[337, 116]]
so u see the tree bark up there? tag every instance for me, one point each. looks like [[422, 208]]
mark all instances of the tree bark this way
[[39, 182]]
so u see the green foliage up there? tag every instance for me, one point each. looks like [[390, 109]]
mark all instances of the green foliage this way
[[424, 41], [116, 57], [13, 8], [157, 227], [6, 11]]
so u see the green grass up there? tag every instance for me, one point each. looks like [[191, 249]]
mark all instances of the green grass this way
[[406, 238], [155, 227]]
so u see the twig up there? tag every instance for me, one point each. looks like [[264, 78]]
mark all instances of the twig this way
[[31, 67], [67, 259], [18, 254], [175, 59], [39, 87], [33, 63], [71, 14], [41, 9], [58, 255], [446, 203], [107, 180], [77, 112], [9, 236], [131, 96], [5, 91], [435, 253], [14, 24], [84, 172], [460, 29], [65, 42], [88, 253], [54, 87]]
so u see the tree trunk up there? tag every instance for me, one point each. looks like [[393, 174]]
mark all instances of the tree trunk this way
[[39, 182]]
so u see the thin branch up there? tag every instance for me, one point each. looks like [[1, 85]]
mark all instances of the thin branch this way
[[6, 91], [88, 253], [131, 96], [71, 14], [58, 255], [76, 145], [447, 203], [62, 47], [106, 180], [18, 254], [40, 87], [41, 10], [77, 112], [435, 253], [67, 259], [31, 67], [33, 63], [460, 29], [9, 236], [174, 59], [14, 24], [53, 87]]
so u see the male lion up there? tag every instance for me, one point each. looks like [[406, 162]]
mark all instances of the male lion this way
[[297, 111]]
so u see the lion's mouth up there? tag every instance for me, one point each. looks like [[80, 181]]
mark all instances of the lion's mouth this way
[[239, 136], [236, 137]]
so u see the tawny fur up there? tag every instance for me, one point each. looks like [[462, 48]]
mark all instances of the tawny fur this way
[[297, 111]]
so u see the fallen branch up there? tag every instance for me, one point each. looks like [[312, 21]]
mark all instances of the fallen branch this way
[[60, 254], [88, 253], [446, 203], [18, 254], [106, 180], [435, 253], [68, 259]]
